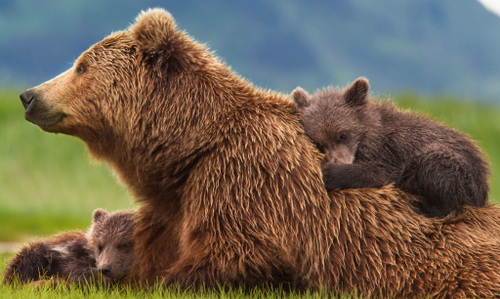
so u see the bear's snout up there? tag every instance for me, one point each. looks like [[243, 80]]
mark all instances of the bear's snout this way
[[27, 97], [38, 111]]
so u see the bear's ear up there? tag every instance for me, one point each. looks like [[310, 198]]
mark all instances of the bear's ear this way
[[162, 44], [301, 98], [357, 93], [154, 29], [99, 216]]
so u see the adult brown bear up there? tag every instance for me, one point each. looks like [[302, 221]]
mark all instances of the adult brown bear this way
[[231, 187]]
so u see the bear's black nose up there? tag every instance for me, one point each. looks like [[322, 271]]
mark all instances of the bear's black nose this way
[[105, 269], [27, 97]]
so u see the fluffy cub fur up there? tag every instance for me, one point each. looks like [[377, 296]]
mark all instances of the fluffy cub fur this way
[[107, 249], [370, 144], [112, 237], [67, 256]]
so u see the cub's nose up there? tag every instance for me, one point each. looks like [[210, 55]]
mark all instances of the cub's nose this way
[[105, 269], [27, 97]]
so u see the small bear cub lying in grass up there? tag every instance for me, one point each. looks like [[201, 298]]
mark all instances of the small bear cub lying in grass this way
[[103, 254], [370, 144]]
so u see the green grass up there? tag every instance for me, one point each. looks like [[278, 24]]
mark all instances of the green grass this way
[[26, 291], [48, 184]]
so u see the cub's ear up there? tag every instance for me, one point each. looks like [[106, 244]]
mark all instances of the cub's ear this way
[[301, 98], [357, 93], [99, 216]]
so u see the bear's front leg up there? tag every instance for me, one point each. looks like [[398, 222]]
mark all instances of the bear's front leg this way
[[187, 274], [201, 273], [357, 175], [215, 267]]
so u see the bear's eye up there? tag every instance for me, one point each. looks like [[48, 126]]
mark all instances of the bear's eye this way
[[99, 247], [342, 137], [81, 69]]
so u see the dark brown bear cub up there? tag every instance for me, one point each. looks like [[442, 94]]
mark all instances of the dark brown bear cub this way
[[112, 236], [107, 249], [370, 144]]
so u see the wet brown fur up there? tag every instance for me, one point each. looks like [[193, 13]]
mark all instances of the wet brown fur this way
[[371, 144], [230, 186]]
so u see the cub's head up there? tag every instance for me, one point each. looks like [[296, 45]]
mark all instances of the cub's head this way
[[112, 237], [335, 119]]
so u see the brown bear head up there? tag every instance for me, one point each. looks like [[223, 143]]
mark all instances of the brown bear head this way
[[335, 119], [112, 237], [121, 85]]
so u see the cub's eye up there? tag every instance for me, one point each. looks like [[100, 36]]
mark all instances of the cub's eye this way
[[81, 69], [99, 247], [342, 137], [124, 246]]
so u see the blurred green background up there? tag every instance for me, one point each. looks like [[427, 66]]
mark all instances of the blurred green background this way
[[438, 57]]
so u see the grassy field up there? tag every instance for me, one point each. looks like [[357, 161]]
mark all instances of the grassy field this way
[[48, 184]]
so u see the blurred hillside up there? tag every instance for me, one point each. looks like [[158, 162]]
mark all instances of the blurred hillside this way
[[432, 47]]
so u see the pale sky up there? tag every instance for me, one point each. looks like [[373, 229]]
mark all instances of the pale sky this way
[[492, 5]]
